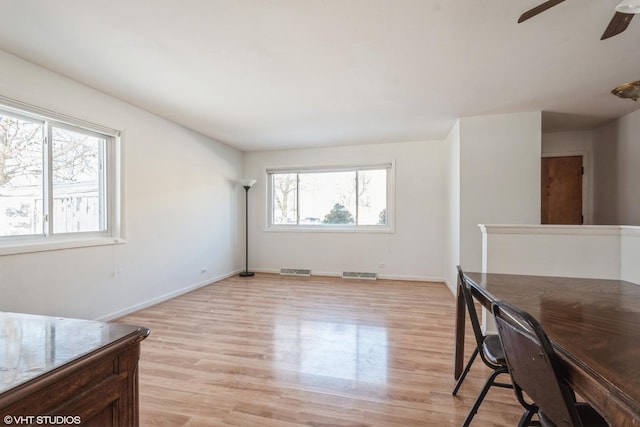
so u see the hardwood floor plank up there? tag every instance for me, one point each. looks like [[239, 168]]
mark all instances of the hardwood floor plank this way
[[283, 351]]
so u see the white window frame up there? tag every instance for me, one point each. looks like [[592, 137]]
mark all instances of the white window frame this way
[[111, 185], [389, 227]]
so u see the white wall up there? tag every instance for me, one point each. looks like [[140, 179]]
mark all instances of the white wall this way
[[181, 210], [616, 160], [605, 185], [567, 143], [499, 176], [413, 251], [452, 217], [628, 130]]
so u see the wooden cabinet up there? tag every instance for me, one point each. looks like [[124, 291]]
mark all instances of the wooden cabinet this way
[[68, 371]]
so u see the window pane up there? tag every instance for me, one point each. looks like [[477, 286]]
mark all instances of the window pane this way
[[77, 180], [372, 197], [21, 190], [327, 198], [284, 198]]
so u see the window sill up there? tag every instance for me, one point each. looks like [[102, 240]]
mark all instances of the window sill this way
[[325, 229], [41, 244]]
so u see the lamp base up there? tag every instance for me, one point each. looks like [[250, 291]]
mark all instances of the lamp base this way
[[246, 273]]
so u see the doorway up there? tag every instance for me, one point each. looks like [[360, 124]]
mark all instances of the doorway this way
[[562, 190]]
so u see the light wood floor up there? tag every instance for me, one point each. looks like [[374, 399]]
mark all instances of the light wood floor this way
[[275, 351]]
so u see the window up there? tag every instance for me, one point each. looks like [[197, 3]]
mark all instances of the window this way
[[330, 198], [57, 179]]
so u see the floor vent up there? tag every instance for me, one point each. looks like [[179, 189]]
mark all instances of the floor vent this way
[[359, 275], [295, 272]]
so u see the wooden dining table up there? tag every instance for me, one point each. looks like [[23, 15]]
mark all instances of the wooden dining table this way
[[593, 324]]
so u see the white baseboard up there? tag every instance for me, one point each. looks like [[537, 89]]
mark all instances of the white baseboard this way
[[412, 278], [380, 276], [163, 298]]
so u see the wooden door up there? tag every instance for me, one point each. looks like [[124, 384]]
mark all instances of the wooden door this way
[[562, 190]]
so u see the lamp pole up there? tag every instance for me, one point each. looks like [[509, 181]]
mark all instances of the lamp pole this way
[[246, 184]]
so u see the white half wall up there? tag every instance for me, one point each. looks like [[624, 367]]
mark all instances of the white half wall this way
[[413, 251], [629, 251], [181, 211], [589, 251]]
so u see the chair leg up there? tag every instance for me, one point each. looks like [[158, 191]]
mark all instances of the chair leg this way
[[481, 396], [465, 372], [525, 421]]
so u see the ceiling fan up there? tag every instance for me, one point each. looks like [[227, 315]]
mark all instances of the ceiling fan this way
[[620, 21]]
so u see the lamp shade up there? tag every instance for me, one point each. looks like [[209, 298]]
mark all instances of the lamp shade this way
[[247, 182], [628, 6]]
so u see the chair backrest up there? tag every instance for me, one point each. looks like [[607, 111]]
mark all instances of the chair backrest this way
[[534, 365], [471, 308]]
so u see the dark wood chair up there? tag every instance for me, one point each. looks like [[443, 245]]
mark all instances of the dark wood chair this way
[[536, 370], [487, 346]]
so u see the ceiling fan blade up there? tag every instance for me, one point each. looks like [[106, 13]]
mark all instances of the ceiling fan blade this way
[[538, 9], [618, 24]]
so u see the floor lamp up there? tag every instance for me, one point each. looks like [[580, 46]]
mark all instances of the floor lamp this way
[[246, 184]]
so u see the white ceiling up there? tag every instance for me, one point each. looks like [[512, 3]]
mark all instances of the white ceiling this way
[[267, 74]]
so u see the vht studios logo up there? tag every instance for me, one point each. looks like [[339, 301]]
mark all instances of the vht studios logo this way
[[60, 420]]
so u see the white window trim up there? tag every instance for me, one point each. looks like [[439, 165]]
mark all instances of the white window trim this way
[[114, 234], [333, 228], [54, 243]]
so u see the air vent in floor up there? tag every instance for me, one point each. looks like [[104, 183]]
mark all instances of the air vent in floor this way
[[359, 275], [295, 272]]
